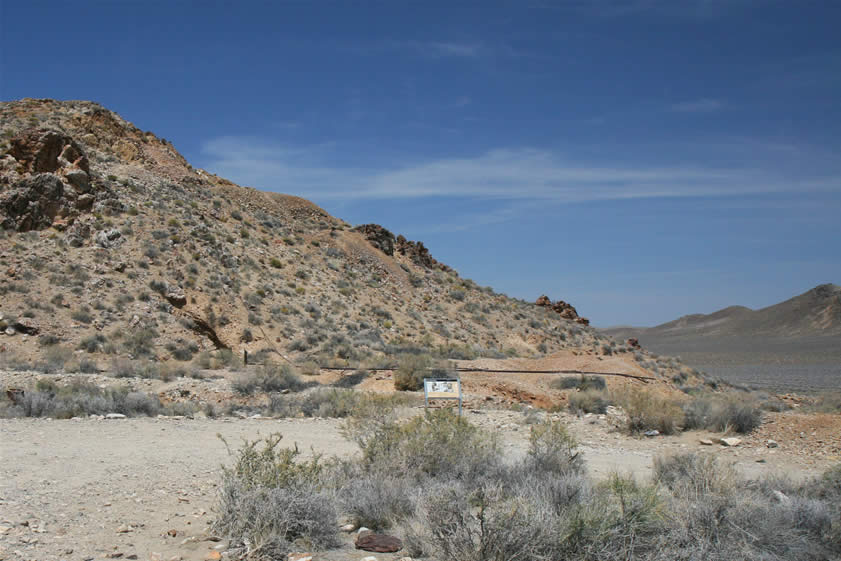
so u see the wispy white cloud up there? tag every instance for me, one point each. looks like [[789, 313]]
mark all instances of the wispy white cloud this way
[[441, 49], [704, 105], [514, 174]]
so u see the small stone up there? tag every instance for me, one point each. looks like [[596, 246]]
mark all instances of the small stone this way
[[347, 528], [705, 442], [123, 529], [771, 444], [115, 416], [299, 557], [653, 432], [213, 556], [731, 441], [369, 558]]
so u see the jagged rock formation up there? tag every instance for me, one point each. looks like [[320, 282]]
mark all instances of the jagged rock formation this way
[[386, 242], [564, 309]]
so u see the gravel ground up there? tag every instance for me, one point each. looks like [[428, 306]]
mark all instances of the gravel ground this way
[[91, 489]]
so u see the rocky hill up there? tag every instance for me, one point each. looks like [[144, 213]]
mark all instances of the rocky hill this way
[[113, 245]]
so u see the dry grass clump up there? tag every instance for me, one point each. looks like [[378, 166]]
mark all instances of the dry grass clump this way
[[648, 409]]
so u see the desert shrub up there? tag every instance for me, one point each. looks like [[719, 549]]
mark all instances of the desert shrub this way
[[47, 340], [649, 410], [692, 474], [436, 443], [87, 366], [82, 315], [55, 359], [351, 380], [828, 402], [413, 368], [722, 413], [268, 500], [376, 501], [589, 401], [92, 343], [331, 402], [552, 449], [456, 522], [583, 383], [182, 350], [203, 360], [270, 378], [80, 399], [140, 342]]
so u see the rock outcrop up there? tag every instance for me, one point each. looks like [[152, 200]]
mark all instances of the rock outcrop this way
[[564, 309], [378, 237], [386, 242], [47, 182]]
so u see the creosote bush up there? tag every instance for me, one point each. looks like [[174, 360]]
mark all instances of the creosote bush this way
[[723, 412], [270, 378]]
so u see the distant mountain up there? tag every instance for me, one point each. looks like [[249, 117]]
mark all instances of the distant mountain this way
[[816, 312]]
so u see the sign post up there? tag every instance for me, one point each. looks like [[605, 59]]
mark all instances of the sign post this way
[[442, 388]]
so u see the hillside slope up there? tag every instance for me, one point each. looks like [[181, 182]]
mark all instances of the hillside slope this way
[[112, 246]]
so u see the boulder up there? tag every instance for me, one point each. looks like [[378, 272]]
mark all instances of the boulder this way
[[379, 543], [176, 297], [77, 233], [730, 441], [79, 179], [705, 442], [108, 238]]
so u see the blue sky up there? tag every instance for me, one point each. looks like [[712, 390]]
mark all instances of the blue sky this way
[[642, 160]]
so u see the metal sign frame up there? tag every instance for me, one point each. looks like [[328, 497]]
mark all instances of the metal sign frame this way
[[449, 389]]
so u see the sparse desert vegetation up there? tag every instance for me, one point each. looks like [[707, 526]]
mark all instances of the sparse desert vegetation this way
[[447, 491]]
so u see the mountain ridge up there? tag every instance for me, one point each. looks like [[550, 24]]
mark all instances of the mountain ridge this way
[[816, 312]]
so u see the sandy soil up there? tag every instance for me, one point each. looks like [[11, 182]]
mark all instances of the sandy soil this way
[[115, 489]]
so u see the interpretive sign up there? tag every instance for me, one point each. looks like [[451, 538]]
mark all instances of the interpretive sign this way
[[442, 388]]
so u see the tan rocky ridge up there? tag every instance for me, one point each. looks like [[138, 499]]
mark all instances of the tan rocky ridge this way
[[112, 245]]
